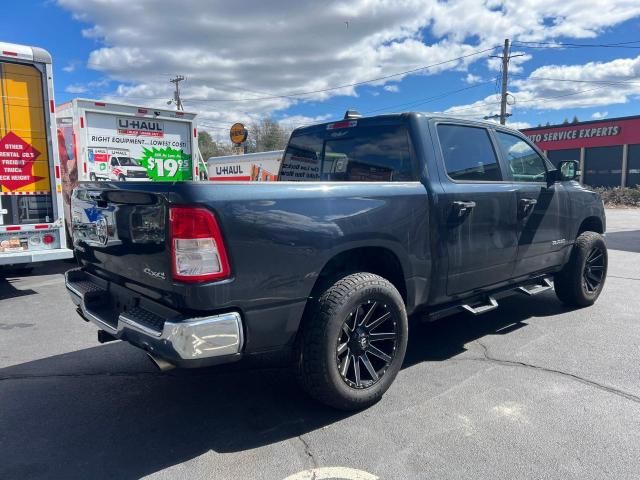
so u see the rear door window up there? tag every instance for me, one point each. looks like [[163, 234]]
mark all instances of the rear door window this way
[[468, 153], [376, 153], [26, 209]]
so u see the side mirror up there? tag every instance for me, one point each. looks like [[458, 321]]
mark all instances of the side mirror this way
[[568, 170]]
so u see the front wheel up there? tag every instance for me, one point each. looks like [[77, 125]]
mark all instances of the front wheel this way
[[580, 282], [353, 344]]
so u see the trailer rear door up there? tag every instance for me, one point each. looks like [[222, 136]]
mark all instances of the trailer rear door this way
[[29, 217]]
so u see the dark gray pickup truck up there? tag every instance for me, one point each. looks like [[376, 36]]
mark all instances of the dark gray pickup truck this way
[[372, 220]]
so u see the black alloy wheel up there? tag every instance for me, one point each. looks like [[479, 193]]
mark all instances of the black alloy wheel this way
[[581, 280], [366, 344], [594, 269]]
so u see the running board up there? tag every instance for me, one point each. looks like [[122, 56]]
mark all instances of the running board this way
[[535, 289], [480, 309]]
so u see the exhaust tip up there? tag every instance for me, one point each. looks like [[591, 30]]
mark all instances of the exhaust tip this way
[[160, 363]]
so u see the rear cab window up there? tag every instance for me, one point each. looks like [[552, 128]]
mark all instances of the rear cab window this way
[[468, 153], [349, 151]]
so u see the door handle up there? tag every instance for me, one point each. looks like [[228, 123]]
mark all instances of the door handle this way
[[463, 208], [526, 205]]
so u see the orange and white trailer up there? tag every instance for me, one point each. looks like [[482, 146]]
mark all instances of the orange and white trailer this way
[[31, 205], [250, 167]]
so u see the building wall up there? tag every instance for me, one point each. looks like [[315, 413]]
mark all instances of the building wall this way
[[608, 150]]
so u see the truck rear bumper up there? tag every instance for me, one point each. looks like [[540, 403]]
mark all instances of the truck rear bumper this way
[[162, 332], [15, 258]]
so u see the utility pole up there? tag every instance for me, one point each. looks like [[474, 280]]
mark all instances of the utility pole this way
[[505, 80], [176, 94], [505, 77]]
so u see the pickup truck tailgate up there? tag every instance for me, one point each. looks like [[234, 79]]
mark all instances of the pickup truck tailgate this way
[[122, 234]]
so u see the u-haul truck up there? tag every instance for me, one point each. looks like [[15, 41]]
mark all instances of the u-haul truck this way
[[31, 206], [105, 141]]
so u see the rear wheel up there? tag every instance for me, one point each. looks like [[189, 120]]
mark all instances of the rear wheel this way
[[580, 282], [352, 345]]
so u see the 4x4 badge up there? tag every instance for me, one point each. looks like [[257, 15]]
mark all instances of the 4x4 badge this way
[[151, 273]]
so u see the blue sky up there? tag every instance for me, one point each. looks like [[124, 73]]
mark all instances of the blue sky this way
[[128, 53]]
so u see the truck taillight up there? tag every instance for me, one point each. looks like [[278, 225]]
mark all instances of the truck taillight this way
[[197, 248]]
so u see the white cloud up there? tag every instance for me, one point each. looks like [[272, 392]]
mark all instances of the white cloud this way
[[519, 125], [591, 84], [564, 87], [392, 88], [472, 79], [70, 66], [294, 121], [101, 83], [599, 115], [75, 89], [263, 53]]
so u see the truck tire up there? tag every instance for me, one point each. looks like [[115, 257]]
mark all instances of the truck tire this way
[[353, 342], [581, 280]]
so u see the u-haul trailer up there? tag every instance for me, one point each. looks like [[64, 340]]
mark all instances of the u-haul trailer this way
[[31, 206], [106, 141], [253, 167]]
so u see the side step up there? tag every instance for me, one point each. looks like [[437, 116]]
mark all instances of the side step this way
[[491, 304], [544, 285]]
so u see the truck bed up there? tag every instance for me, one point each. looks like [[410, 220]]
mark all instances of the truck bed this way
[[278, 237]]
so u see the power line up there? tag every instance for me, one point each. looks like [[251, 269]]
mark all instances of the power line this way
[[424, 100], [538, 100], [337, 87], [577, 45], [608, 82]]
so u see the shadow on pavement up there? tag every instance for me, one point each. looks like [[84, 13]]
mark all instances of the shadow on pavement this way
[[10, 277], [103, 412], [628, 241], [8, 289]]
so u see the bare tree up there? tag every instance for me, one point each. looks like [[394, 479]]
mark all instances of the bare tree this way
[[266, 135]]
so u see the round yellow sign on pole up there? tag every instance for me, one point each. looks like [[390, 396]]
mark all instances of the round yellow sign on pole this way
[[238, 133]]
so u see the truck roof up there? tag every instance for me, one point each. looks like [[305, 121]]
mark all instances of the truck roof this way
[[391, 117], [14, 51], [93, 103]]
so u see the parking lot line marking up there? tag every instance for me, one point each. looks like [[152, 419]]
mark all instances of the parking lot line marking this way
[[332, 473]]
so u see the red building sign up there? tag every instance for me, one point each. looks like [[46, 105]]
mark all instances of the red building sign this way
[[586, 134], [608, 150]]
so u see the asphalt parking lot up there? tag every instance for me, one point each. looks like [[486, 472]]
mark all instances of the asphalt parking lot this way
[[531, 390]]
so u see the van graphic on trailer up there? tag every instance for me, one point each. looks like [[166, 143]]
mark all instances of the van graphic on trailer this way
[[112, 164]]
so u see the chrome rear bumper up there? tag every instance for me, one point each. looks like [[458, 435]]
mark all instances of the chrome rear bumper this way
[[185, 342]]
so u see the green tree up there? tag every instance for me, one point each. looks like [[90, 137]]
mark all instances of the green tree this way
[[565, 121], [209, 147], [206, 144], [575, 119]]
